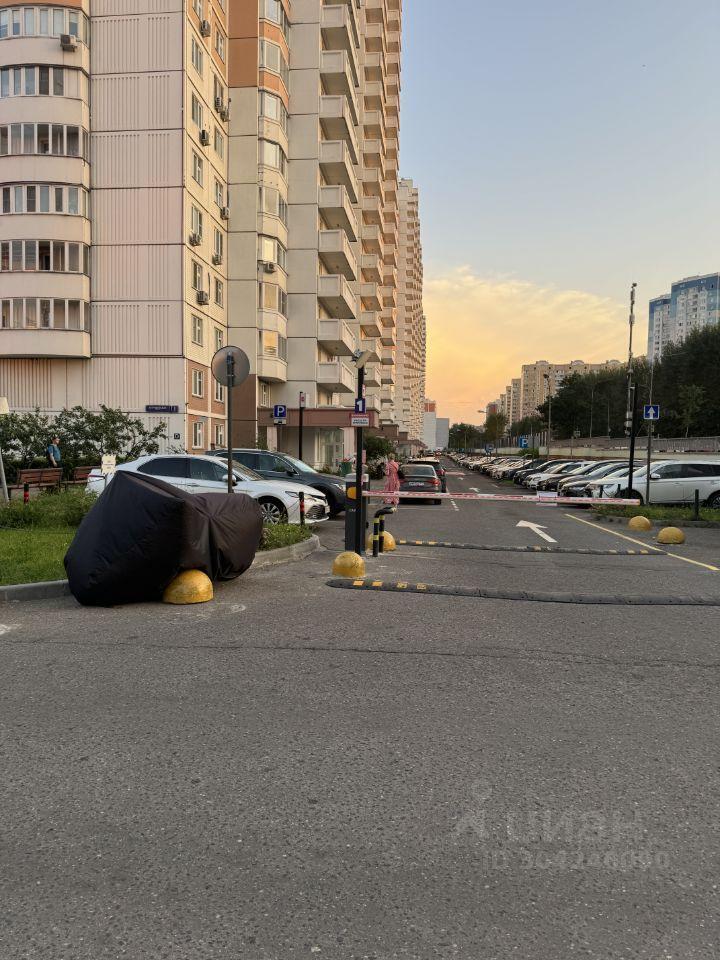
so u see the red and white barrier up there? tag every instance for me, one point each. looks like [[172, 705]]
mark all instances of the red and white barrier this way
[[543, 500]]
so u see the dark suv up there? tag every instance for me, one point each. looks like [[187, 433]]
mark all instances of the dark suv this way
[[281, 466]]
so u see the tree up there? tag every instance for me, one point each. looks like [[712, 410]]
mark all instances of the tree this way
[[691, 398], [377, 448], [495, 428], [527, 427], [465, 436]]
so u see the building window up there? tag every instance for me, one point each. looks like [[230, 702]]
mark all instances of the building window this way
[[271, 154], [218, 245], [198, 434], [48, 256], [218, 89], [196, 275], [219, 339], [39, 21], [219, 292], [219, 194], [220, 44], [272, 202], [219, 143], [272, 58], [274, 11], [197, 330], [45, 314], [270, 250], [197, 6], [196, 55], [219, 435], [197, 168], [219, 392], [198, 383], [43, 138], [272, 344], [264, 394], [196, 221], [196, 111]]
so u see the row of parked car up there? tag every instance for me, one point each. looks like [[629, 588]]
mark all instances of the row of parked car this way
[[671, 481]]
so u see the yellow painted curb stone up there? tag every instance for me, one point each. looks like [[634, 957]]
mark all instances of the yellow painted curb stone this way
[[348, 564], [671, 535], [640, 523], [190, 586], [389, 542]]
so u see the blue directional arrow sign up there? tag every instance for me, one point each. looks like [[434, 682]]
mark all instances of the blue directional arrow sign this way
[[360, 405], [651, 411]]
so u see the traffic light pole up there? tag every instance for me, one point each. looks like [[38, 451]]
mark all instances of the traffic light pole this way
[[359, 544]]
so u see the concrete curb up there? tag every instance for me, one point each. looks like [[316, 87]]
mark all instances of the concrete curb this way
[[51, 589], [711, 524]]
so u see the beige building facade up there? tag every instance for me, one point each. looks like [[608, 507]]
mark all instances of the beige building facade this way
[[236, 182], [411, 326]]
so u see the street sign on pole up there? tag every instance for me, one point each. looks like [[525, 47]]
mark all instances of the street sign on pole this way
[[230, 367], [651, 411], [280, 413], [523, 443], [359, 420], [360, 405]]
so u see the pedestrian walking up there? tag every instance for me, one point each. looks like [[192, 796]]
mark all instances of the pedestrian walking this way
[[392, 478], [52, 452]]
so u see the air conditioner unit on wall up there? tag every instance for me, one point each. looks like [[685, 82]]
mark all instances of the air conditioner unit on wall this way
[[68, 42], [195, 239], [219, 105], [203, 298], [225, 213], [216, 258], [205, 138], [205, 29], [269, 267]]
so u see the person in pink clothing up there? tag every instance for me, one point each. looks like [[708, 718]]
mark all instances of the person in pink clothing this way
[[392, 478]]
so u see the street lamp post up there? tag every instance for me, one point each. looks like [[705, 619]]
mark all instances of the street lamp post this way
[[546, 377]]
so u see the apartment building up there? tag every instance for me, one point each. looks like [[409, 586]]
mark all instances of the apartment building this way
[[236, 183], [692, 304], [411, 326], [112, 252]]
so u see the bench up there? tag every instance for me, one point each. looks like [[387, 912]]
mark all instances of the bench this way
[[80, 475], [42, 478]]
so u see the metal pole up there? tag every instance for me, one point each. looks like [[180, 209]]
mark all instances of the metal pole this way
[[230, 361], [696, 515], [592, 400], [301, 495], [359, 546], [301, 414], [633, 412], [549, 419], [651, 427], [3, 483]]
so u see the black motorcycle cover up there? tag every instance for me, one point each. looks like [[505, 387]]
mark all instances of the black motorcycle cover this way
[[142, 532]]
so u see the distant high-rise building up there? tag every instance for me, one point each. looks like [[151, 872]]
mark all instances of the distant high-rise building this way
[[692, 304], [410, 354]]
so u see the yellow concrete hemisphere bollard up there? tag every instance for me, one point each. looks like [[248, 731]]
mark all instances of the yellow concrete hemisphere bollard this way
[[671, 535], [389, 543], [640, 523], [190, 586], [348, 564]]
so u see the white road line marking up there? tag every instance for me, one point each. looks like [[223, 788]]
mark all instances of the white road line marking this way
[[5, 628], [454, 505], [648, 546], [537, 528]]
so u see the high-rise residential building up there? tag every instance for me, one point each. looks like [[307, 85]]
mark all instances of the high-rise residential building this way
[[237, 183], [411, 332], [525, 393], [692, 304], [429, 434], [113, 233], [442, 433]]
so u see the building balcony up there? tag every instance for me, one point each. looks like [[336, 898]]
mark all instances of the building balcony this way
[[387, 374], [273, 369], [373, 122], [336, 253], [336, 337], [369, 296], [337, 298], [372, 239], [390, 256], [337, 211], [373, 183], [370, 324], [337, 166], [370, 267], [387, 355], [369, 345], [388, 296], [337, 122], [372, 375], [339, 27], [336, 376], [375, 95], [375, 38], [339, 73], [42, 343], [371, 210], [387, 336]]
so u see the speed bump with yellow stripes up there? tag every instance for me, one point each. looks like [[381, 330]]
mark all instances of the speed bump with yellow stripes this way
[[502, 548], [370, 585]]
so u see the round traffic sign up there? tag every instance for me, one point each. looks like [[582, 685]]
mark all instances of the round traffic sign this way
[[230, 364]]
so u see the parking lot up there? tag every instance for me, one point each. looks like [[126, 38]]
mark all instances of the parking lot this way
[[298, 770]]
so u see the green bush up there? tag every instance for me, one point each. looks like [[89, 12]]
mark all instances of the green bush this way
[[658, 512], [283, 535], [63, 509]]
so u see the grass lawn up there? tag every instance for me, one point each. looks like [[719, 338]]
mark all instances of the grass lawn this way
[[659, 513], [29, 554]]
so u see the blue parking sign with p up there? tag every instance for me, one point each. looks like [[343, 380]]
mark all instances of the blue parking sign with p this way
[[279, 411], [523, 443]]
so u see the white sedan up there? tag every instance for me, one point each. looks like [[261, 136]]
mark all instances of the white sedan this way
[[279, 499]]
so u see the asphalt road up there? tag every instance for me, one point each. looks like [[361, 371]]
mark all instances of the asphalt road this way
[[296, 771]]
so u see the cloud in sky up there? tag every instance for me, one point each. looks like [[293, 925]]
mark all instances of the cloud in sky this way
[[481, 330]]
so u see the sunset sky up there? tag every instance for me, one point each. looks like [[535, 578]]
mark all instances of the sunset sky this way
[[563, 150]]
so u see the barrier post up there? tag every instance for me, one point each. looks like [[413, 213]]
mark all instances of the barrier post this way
[[302, 508], [376, 535], [381, 538], [696, 514], [26, 492]]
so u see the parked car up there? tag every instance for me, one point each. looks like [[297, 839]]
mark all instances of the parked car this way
[[437, 467], [671, 481], [559, 466], [535, 466], [279, 500], [419, 478], [551, 483], [281, 466], [574, 484]]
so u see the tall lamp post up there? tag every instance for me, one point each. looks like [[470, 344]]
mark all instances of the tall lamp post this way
[[546, 378]]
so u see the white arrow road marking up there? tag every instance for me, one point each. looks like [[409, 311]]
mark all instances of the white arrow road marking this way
[[474, 489], [538, 529]]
